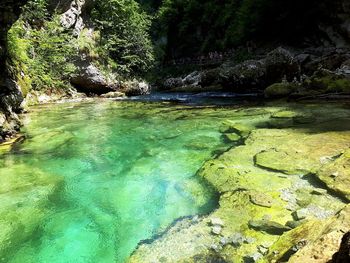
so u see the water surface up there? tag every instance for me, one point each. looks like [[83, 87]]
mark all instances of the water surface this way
[[94, 179]]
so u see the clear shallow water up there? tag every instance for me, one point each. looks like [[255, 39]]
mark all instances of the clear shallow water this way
[[94, 179]]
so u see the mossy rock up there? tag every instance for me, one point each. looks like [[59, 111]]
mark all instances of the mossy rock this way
[[313, 241], [287, 118], [329, 82], [336, 175], [284, 114], [232, 137], [280, 90], [239, 128]]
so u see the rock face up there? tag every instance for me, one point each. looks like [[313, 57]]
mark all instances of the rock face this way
[[72, 18], [10, 94]]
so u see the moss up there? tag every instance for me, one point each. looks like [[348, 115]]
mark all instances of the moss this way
[[280, 90], [329, 82]]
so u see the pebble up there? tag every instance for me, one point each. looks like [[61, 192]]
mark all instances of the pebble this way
[[237, 239], [216, 248], [263, 250], [215, 221], [216, 230], [252, 258]]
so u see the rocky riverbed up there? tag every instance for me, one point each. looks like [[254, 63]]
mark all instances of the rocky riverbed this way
[[284, 190]]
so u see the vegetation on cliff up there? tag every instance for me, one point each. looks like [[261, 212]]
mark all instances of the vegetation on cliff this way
[[43, 54]]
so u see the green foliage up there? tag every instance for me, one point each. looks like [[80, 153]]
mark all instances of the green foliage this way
[[41, 57], [52, 55], [195, 27], [35, 12], [124, 35]]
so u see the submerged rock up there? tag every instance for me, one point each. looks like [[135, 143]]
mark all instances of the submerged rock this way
[[240, 129], [267, 226], [261, 199]]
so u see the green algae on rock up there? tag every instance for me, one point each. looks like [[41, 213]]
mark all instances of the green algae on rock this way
[[278, 163], [336, 174]]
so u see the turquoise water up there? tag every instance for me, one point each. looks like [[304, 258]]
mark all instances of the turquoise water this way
[[94, 179]]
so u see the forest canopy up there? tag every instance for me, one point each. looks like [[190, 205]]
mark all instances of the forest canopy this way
[[193, 27]]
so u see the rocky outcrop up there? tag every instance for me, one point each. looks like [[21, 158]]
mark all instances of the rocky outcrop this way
[[251, 75], [72, 18], [10, 94]]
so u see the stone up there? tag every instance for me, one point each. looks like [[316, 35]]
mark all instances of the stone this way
[[239, 128], [190, 82], [252, 258], [315, 241], [135, 88], [215, 221], [216, 230], [269, 227], [245, 76], [301, 214], [280, 64], [284, 114], [261, 199], [237, 239], [113, 94], [263, 250], [90, 79], [232, 137], [216, 248], [294, 224], [224, 241]]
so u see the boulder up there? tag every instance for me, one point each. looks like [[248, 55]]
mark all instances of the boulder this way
[[89, 79], [135, 88], [188, 83], [281, 64], [280, 90], [248, 75]]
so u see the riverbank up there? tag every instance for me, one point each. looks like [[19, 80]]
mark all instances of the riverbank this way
[[283, 188]]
